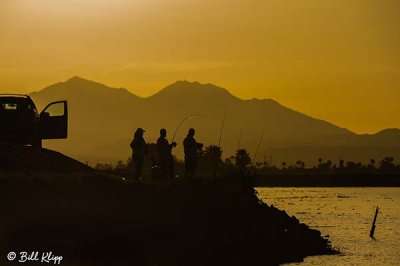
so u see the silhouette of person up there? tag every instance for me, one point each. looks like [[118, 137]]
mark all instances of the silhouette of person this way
[[166, 162], [139, 150], [190, 147]]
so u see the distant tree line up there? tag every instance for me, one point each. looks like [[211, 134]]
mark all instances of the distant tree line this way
[[211, 163]]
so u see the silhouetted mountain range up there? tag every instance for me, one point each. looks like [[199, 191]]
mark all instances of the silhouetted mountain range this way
[[103, 119]]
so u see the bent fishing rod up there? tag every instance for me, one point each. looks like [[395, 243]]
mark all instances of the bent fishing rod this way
[[258, 146], [181, 123], [219, 143]]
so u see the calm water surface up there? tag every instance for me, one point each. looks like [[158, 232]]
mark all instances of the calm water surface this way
[[345, 214]]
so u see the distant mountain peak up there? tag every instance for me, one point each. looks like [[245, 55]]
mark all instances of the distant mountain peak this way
[[389, 132], [193, 88], [80, 80], [78, 86], [74, 78], [191, 84], [185, 82]]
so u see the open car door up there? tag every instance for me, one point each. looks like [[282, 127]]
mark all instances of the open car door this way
[[54, 121]]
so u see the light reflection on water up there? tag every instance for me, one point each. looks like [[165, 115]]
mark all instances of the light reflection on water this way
[[345, 215]]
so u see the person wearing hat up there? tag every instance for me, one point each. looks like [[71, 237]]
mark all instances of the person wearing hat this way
[[139, 150], [191, 146], [167, 169]]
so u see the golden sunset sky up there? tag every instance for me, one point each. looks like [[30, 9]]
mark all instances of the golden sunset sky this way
[[337, 60]]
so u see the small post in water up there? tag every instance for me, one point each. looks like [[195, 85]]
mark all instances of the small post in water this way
[[371, 233]]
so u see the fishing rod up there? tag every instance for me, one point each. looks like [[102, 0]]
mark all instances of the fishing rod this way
[[181, 123], [240, 139], [219, 144], [222, 128], [258, 146], [250, 150]]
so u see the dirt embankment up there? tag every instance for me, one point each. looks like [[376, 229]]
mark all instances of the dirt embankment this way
[[26, 158], [50, 202], [99, 220]]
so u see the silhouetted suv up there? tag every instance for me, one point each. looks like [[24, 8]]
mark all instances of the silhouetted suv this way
[[20, 122]]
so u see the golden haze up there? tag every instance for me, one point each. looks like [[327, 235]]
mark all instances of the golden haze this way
[[336, 60]]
